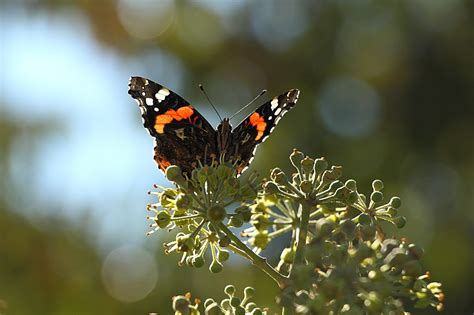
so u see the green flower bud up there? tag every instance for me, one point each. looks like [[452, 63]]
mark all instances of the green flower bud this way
[[397, 257], [377, 185], [229, 290], [185, 243], [215, 267], [198, 261], [342, 193], [261, 221], [236, 220], [320, 165], [167, 197], [249, 292], [216, 213], [280, 178], [257, 311], [416, 251], [163, 219], [363, 219], [213, 309], [351, 184], [396, 202], [223, 255], [331, 175], [183, 202], [173, 172], [260, 239], [413, 268], [224, 241], [353, 197], [348, 227], [307, 164], [235, 301], [376, 196], [208, 302], [251, 306], [271, 188], [181, 303], [239, 311], [367, 232], [296, 157], [225, 304], [399, 222], [245, 212], [287, 255], [306, 186], [324, 227]]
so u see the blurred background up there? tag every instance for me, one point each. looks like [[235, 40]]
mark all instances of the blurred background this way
[[387, 91]]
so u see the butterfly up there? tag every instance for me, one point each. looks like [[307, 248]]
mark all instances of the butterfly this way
[[183, 137]]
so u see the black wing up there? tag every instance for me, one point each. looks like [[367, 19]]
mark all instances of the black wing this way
[[182, 135], [256, 128]]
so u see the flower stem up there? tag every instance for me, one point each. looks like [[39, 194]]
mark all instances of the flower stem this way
[[259, 261], [302, 232]]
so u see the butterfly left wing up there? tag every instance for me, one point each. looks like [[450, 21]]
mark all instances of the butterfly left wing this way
[[182, 135], [256, 128]]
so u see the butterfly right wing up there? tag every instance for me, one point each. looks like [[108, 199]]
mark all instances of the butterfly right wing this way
[[182, 135]]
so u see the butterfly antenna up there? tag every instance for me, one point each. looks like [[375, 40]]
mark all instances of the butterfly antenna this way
[[251, 102], [208, 99]]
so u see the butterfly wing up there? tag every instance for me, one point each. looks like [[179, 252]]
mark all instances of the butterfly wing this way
[[256, 128], [182, 135]]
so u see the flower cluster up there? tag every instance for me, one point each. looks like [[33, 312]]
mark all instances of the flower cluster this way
[[338, 260], [232, 305], [198, 207]]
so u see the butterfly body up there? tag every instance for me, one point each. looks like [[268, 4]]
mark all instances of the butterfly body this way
[[183, 137]]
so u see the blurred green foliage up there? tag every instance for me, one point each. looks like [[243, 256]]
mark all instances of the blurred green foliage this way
[[411, 59]]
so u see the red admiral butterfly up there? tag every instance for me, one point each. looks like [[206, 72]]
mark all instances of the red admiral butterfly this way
[[183, 137]]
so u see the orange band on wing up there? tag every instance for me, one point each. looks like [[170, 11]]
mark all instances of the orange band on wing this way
[[259, 123], [181, 113]]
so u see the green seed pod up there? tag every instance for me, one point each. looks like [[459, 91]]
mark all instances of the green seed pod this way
[[229, 290], [256, 311], [306, 186], [363, 219], [250, 306], [342, 193], [396, 202], [331, 175], [287, 255], [216, 213], [181, 304], [377, 185], [280, 178], [351, 184], [198, 261], [213, 309], [335, 185], [225, 304], [163, 219], [260, 239], [236, 220], [376, 196], [235, 301], [183, 202], [320, 165], [223, 255], [215, 267]]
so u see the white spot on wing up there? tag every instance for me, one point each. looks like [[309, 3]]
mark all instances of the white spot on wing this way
[[149, 101], [138, 102], [274, 103], [156, 109], [270, 117], [277, 119], [143, 93], [277, 111]]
